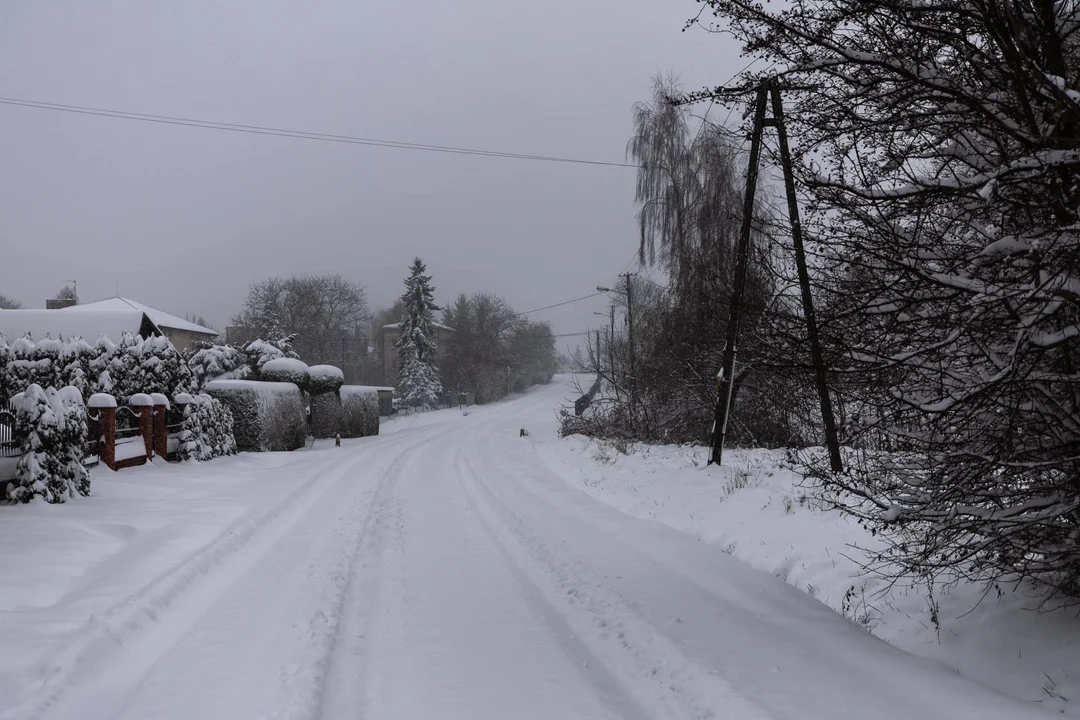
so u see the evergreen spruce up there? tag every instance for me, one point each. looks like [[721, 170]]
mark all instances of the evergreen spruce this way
[[418, 377]]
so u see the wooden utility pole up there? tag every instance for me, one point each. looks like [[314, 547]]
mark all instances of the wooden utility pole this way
[[599, 368], [611, 350], [630, 323], [832, 438], [727, 373]]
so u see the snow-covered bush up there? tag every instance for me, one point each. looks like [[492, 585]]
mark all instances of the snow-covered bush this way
[[326, 415], [212, 362], [324, 379], [266, 415], [148, 365], [207, 429], [259, 352], [359, 411], [51, 428], [285, 370], [32, 363]]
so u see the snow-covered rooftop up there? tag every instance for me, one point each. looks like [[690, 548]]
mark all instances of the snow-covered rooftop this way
[[158, 317], [55, 324]]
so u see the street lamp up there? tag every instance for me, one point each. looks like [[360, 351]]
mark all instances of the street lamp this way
[[601, 288]]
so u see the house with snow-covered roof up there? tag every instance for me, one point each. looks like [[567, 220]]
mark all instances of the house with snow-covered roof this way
[[111, 318], [182, 333]]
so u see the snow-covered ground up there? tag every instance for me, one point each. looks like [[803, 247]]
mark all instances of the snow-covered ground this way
[[444, 569]]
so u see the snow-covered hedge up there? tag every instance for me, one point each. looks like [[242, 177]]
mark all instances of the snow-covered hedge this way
[[207, 429], [51, 428], [326, 415], [359, 411], [266, 415], [136, 365], [286, 370], [324, 379]]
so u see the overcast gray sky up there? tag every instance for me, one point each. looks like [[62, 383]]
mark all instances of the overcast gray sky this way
[[185, 218]]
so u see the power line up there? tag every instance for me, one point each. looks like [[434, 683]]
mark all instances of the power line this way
[[297, 134], [567, 302]]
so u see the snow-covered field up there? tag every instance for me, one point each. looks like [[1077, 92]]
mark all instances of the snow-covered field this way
[[450, 569]]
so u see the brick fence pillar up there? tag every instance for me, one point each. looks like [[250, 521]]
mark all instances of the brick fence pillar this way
[[161, 429], [144, 405], [181, 402], [105, 406]]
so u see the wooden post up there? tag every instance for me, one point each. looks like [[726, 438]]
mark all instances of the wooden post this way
[[727, 373]]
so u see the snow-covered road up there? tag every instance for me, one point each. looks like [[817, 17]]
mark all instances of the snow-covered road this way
[[446, 571]]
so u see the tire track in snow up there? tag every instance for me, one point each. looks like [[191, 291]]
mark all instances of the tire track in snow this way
[[336, 690], [606, 684], [344, 690], [609, 627], [105, 635]]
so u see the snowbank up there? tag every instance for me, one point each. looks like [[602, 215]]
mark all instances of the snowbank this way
[[757, 510]]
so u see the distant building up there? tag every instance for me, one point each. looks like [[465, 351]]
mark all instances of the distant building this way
[[59, 303], [386, 347]]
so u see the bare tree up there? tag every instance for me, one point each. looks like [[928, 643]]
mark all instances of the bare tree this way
[[327, 313], [7, 303], [939, 147], [690, 196], [489, 340], [198, 320]]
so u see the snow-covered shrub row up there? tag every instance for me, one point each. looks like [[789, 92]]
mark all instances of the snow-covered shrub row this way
[[135, 365], [285, 370], [224, 362], [207, 429], [51, 429], [266, 415], [359, 411], [326, 415]]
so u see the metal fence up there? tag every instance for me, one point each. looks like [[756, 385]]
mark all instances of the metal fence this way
[[91, 456], [9, 445], [129, 441]]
